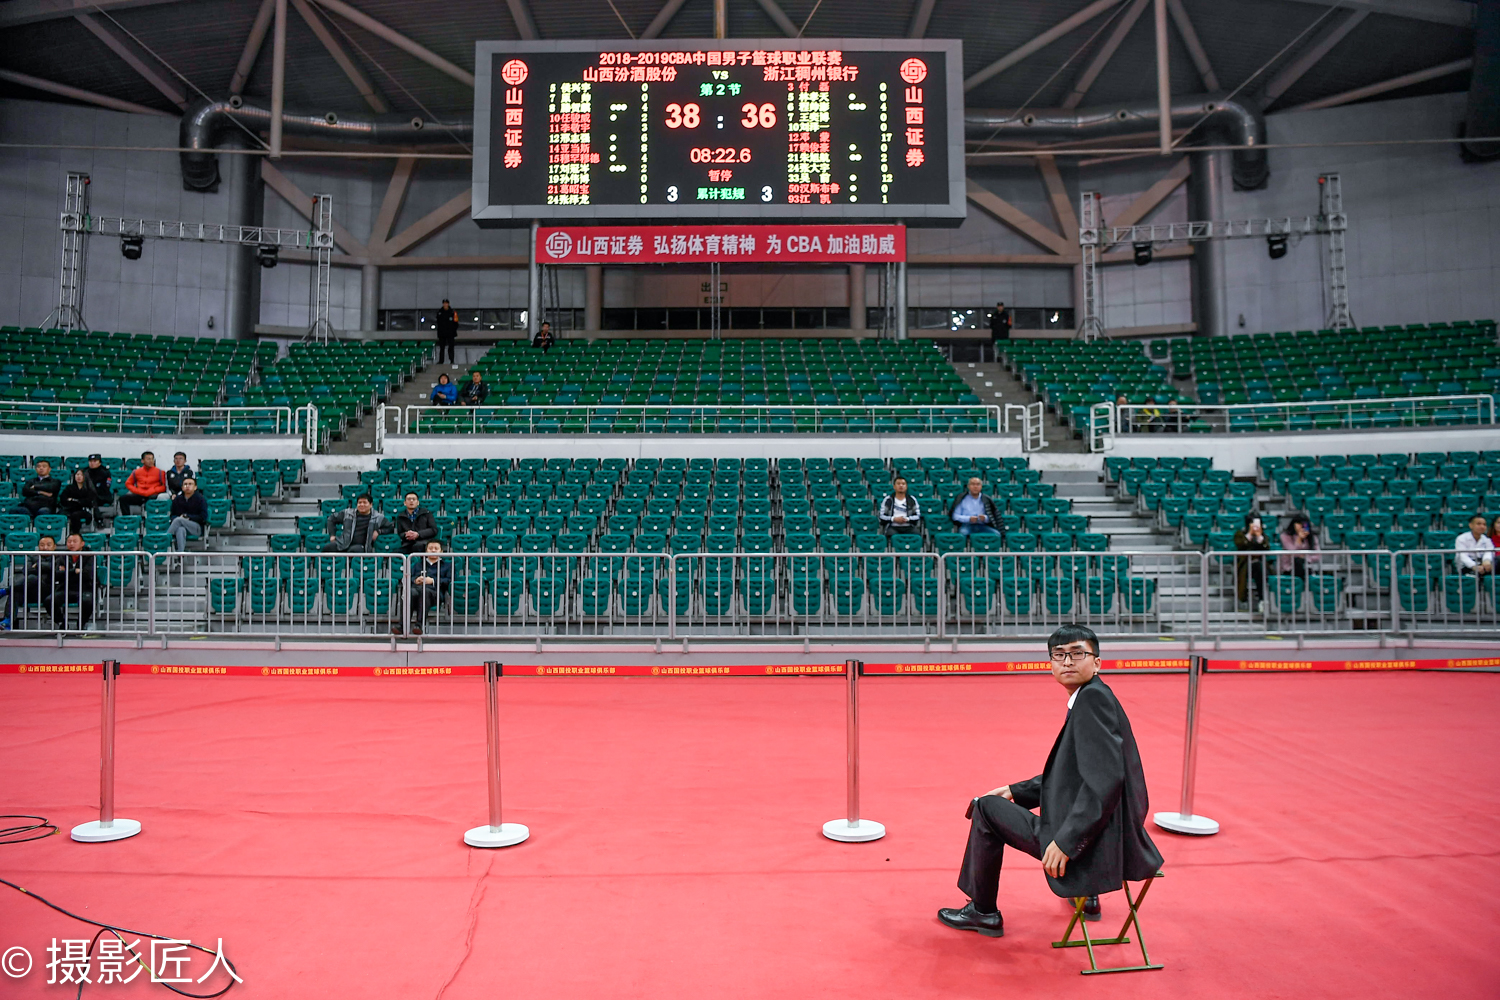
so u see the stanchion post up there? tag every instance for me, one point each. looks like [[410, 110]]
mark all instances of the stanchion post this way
[[853, 829], [1184, 820], [107, 827], [495, 833]]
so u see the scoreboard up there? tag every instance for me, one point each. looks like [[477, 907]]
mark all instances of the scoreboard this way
[[827, 130]]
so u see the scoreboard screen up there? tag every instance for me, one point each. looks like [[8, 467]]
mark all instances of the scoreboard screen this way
[[766, 129]]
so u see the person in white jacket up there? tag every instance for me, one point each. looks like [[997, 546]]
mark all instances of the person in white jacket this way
[[1476, 553]]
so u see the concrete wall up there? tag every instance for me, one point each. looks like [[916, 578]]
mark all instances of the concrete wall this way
[[1424, 238], [1424, 227], [173, 288]]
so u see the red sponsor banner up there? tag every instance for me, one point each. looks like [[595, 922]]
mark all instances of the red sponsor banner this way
[[721, 244], [731, 670]]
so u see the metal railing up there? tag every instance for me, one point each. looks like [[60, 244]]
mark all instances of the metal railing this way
[[1332, 415], [128, 419], [747, 596], [688, 418]]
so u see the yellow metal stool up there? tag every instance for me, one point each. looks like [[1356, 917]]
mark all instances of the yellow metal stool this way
[[1120, 938]]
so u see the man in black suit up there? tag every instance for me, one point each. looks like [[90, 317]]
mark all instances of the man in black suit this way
[[1091, 834]]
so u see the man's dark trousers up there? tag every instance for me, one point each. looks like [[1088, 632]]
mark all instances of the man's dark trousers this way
[[996, 822]]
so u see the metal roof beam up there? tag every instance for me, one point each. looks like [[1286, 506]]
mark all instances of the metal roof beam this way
[[1101, 58], [346, 63], [920, 18], [521, 14], [1315, 51], [663, 18], [126, 52], [775, 13], [1040, 42], [253, 45], [1019, 220], [77, 94], [16, 12], [1385, 86], [397, 39], [1194, 46], [1454, 12]]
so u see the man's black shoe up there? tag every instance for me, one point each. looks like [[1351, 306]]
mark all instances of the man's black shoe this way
[[970, 919], [1091, 909]]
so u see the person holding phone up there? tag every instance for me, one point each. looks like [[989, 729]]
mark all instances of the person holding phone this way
[[1250, 571]]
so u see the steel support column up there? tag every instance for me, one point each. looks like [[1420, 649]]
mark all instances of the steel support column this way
[[246, 208], [533, 286], [369, 297], [593, 298], [1206, 201], [901, 300], [857, 298]]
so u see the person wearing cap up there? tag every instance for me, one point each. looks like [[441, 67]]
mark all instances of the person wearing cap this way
[[103, 480]]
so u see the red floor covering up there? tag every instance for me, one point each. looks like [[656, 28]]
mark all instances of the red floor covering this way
[[315, 825]]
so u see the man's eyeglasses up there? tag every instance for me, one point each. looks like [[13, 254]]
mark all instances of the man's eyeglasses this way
[[1069, 656]]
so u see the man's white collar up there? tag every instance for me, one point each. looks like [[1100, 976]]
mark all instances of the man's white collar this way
[[1072, 698]]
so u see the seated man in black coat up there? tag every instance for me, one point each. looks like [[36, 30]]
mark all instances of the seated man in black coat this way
[[1091, 834], [414, 525]]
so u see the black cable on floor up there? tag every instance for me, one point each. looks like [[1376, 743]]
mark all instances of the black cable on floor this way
[[14, 835]]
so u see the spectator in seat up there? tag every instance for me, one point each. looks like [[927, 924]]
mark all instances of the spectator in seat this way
[[445, 393], [475, 392], [1250, 571], [975, 513], [1495, 534], [79, 501], [544, 337], [415, 526], [189, 514], [73, 582], [1298, 537], [447, 332], [39, 493], [35, 584], [430, 577], [99, 474], [145, 482], [1475, 554], [900, 513], [354, 529], [179, 471]]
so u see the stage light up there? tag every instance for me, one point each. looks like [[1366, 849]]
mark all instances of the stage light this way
[[267, 255], [131, 247], [1142, 253], [1276, 246]]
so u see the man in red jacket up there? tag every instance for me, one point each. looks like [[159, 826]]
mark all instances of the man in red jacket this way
[[145, 482]]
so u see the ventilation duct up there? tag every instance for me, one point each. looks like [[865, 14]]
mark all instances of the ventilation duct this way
[[1213, 119], [205, 124]]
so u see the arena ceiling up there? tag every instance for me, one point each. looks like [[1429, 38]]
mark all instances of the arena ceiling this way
[[357, 55]]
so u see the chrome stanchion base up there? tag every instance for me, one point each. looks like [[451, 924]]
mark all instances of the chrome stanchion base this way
[[1199, 826], [504, 835], [95, 832], [857, 832]]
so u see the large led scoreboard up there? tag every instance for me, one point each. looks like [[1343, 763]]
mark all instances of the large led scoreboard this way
[[767, 129]]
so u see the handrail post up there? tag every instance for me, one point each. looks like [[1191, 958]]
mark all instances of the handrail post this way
[[852, 829], [1183, 820], [108, 826], [495, 833]]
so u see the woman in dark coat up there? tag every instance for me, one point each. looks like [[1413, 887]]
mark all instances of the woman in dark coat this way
[[79, 501]]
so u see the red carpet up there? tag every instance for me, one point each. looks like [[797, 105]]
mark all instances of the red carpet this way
[[315, 826]]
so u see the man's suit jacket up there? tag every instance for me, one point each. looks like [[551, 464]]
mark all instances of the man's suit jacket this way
[[1093, 798]]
